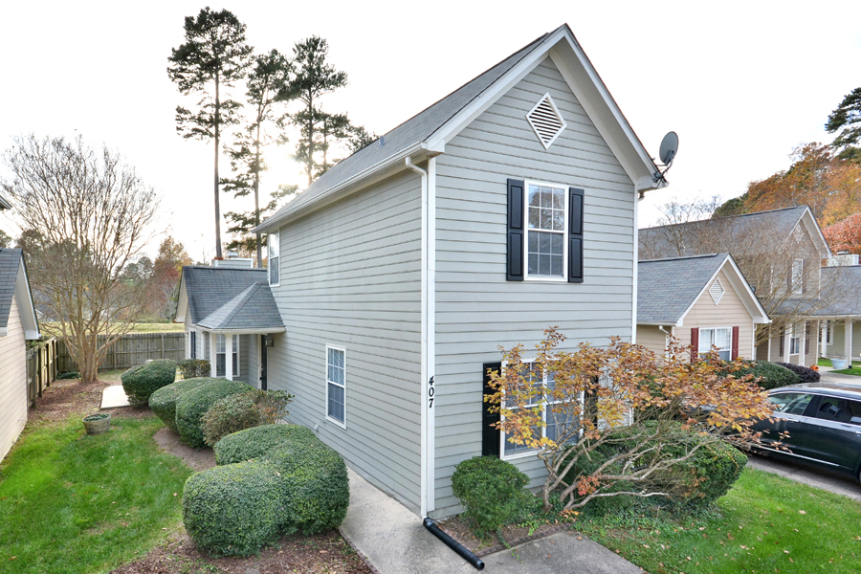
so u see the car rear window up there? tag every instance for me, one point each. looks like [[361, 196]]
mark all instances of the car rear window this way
[[840, 410], [791, 403]]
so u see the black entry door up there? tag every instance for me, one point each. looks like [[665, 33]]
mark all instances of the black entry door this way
[[263, 362]]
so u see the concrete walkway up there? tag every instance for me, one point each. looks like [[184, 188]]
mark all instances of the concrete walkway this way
[[829, 377], [394, 540], [114, 397], [809, 475]]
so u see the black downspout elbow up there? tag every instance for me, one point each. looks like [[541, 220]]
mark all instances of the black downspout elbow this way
[[454, 544]]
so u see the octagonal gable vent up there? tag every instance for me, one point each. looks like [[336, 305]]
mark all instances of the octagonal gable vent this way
[[716, 291], [546, 120]]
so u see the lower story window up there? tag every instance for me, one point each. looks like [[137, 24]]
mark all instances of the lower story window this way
[[720, 338], [192, 344], [221, 354], [336, 385]]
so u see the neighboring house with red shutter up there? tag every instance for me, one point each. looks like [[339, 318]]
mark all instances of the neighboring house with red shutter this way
[[506, 207], [702, 301]]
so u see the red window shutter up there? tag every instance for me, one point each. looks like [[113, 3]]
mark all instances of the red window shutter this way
[[695, 343], [734, 343]]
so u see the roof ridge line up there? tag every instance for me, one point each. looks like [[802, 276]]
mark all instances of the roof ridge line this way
[[726, 217], [700, 256], [250, 290]]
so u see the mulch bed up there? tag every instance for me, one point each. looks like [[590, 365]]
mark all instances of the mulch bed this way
[[323, 553], [459, 529]]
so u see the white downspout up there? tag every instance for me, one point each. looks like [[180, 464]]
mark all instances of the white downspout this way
[[668, 337], [423, 479]]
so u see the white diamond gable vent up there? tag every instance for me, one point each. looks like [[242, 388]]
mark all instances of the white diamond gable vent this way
[[716, 291], [546, 120]]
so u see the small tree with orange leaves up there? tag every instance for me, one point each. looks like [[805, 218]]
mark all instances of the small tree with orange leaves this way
[[593, 392]]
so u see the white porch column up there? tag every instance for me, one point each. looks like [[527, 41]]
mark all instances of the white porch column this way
[[847, 338], [802, 345], [770, 343], [823, 338], [787, 338], [228, 357], [213, 341]]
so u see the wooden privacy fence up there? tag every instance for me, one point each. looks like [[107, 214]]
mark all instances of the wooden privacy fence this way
[[131, 350], [41, 369]]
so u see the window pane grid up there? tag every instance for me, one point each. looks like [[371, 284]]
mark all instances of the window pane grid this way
[[720, 338], [546, 230], [335, 385]]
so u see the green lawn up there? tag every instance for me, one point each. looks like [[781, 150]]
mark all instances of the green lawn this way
[[764, 524], [139, 327], [72, 503], [855, 370], [823, 362]]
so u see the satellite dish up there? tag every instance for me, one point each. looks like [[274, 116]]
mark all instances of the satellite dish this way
[[669, 147]]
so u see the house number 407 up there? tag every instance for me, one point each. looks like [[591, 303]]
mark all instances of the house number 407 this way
[[430, 393]]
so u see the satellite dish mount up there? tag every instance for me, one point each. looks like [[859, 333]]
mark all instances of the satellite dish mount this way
[[669, 147]]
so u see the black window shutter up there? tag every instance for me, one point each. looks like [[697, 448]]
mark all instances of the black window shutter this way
[[575, 235], [489, 434], [806, 339], [516, 233]]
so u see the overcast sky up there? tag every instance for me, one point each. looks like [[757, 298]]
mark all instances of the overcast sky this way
[[742, 83]]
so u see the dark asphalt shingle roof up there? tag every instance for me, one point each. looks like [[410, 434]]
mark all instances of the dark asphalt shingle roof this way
[[841, 295], [10, 262], [209, 288], [666, 288], [779, 222], [412, 132], [254, 308]]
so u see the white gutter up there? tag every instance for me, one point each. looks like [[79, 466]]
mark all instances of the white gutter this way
[[427, 390]]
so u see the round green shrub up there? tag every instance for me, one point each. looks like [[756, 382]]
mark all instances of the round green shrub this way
[[314, 486], [192, 405], [243, 411], [142, 381], [163, 401], [768, 375], [489, 489], [259, 441], [709, 474], [194, 368], [233, 510]]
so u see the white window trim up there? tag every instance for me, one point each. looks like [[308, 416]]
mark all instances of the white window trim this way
[[717, 298], [235, 351], [530, 451], [794, 336], [729, 340], [797, 288], [343, 424], [565, 194], [553, 105], [277, 236]]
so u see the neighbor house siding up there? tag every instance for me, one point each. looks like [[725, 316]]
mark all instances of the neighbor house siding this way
[[476, 308], [729, 312], [651, 337], [351, 278], [837, 348], [809, 358], [13, 381]]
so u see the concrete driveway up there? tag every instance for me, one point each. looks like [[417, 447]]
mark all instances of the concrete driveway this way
[[809, 475]]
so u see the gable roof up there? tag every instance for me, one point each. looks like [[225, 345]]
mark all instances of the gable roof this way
[[780, 222], [14, 283], [203, 289], [425, 134], [841, 292], [668, 288], [254, 309], [4, 204]]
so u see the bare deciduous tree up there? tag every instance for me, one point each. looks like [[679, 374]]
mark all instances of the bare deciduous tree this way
[[89, 214]]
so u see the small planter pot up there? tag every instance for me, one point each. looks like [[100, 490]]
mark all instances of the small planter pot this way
[[97, 424], [838, 364]]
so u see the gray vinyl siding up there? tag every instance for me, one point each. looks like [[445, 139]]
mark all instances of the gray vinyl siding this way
[[837, 348], [351, 278], [476, 308], [252, 360]]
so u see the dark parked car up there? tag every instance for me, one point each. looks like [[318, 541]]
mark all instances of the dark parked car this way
[[824, 425]]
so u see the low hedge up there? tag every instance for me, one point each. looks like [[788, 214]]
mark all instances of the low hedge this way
[[222, 512], [142, 381], [243, 411], [490, 490], [807, 375], [192, 405], [258, 442], [163, 401], [233, 510], [769, 375]]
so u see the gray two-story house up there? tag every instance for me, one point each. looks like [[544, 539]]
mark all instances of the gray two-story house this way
[[506, 207]]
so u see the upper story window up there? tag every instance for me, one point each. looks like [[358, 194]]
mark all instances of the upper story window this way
[[273, 249], [797, 278], [546, 228], [720, 338]]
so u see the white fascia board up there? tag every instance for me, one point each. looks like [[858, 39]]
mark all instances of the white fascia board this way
[[705, 288], [745, 293], [3, 332], [359, 181], [814, 230], [182, 301], [26, 308], [261, 331]]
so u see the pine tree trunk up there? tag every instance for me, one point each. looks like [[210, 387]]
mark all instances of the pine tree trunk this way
[[217, 122], [257, 194]]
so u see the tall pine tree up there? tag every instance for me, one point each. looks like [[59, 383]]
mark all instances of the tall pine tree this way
[[215, 54], [847, 119], [267, 84]]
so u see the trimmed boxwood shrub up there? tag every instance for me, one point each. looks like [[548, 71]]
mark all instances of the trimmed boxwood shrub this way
[[233, 510], [243, 411], [490, 490], [163, 401], [807, 375], [770, 375], [314, 486], [258, 442], [142, 381], [194, 368], [192, 405]]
